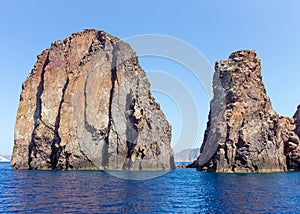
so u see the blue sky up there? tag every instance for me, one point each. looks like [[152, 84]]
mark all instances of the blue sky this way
[[215, 28]]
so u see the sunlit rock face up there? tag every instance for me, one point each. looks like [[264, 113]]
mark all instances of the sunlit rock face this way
[[244, 133], [87, 105]]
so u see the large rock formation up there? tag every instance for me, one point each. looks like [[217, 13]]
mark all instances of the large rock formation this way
[[87, 105], [244, 133]]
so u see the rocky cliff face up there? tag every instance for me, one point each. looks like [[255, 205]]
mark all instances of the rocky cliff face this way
[[87, 105], [244, 133], [293, 149]]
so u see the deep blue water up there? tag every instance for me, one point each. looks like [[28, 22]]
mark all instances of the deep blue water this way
[[179, 191]]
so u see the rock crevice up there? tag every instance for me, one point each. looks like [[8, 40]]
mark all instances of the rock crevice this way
[[55, 147]]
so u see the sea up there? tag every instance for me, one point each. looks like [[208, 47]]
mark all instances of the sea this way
[[177, 191]]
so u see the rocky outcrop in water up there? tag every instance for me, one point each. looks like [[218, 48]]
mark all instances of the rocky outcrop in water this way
[[87, 105], [244, 133]]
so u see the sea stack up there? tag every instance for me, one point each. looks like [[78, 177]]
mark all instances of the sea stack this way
[[87, 105], [244, 133]]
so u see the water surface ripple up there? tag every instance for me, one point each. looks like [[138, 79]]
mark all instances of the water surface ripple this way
[[180, 191]]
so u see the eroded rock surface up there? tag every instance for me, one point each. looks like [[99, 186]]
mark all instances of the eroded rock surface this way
[[244, 133], [293, 149], [87, 105]]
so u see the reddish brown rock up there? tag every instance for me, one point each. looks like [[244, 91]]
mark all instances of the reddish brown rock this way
[[244, 133], [293, 147], [87, 105]]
